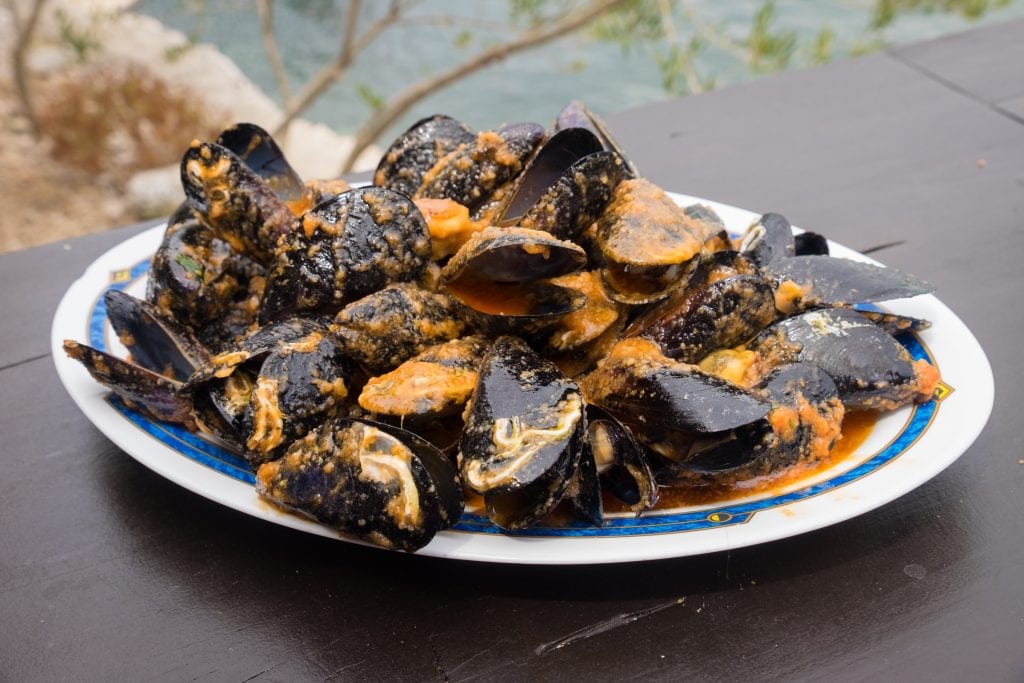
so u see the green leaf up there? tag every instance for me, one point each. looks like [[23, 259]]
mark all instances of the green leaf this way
[[821, 50], [194, 268], [462, 40], [371, 97]]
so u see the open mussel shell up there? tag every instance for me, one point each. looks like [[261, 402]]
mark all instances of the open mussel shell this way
[[258, 345], [523, 436], [386, 328], [472, 173], [298, 385], [375, 482], [415, 152], [576, 114], [587, 324], [255, 146], [234, 201], [501, 273], [805, 282], [565, 187], [163, 398], [552, 160], [803, 426], [620, 461], [768, 239], [869, 367], [513, 255], [584, 492], [345, 248], [435, 383], [155, 342], [220, 405], [201, 281], [641, 387], [648, 243], [720, 315], [578, 197], [893, 323]]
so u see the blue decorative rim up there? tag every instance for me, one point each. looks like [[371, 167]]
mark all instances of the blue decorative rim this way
[[223, 461]]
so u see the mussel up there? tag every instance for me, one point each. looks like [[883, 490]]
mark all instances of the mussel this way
[[648, 243], [524, 434], [345, 248], [869, 367], [368, 480]]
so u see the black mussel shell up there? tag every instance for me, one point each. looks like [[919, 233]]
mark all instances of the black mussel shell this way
[[804, 425], [641, 387], [501, 274], [584, 491], [258, 344], [577, 115], [769, 239], [552, 160], [705, 214], [299, 385], [155, 342], [233, 201], [578, 197], [368, 480], [386, 328], [620, 461], [894, 323], [163, 398], [520, 309], [720, 315], [475, 170], [260, 152], [344, 249], [220, 405], [513, 255], [200, 281], [810, 244], [805, 282], [869, 367], [416, 151], [523, 435]]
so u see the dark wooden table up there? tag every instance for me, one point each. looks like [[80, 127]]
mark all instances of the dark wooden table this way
[[109, 571]]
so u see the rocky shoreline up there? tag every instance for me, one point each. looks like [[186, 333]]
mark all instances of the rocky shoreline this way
[[49, 200]]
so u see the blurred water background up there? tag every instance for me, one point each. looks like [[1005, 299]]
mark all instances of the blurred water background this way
[[534, 84]]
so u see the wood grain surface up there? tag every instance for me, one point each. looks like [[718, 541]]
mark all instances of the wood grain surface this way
[[109, 571]]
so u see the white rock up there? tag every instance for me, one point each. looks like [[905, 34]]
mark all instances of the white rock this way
[[156, 192]]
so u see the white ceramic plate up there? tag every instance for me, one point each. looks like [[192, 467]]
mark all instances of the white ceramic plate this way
[[905, 449]]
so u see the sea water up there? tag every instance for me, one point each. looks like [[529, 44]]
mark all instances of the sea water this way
[[533, 85]]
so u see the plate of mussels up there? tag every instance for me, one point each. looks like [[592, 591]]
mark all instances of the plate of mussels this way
[[511, 347]]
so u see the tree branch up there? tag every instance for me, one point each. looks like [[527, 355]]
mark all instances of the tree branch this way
[[266, 12], [449, 21], [332, 72], [18, 55], [12, 7], [713, 35], [351, 23], [406, 99]]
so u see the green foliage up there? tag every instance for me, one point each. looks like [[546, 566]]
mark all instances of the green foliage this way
[[771, 49], [822, 48], [193, 267], [886, 11], [634, 23], [462, 40], [80, 41], [370, 97]]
